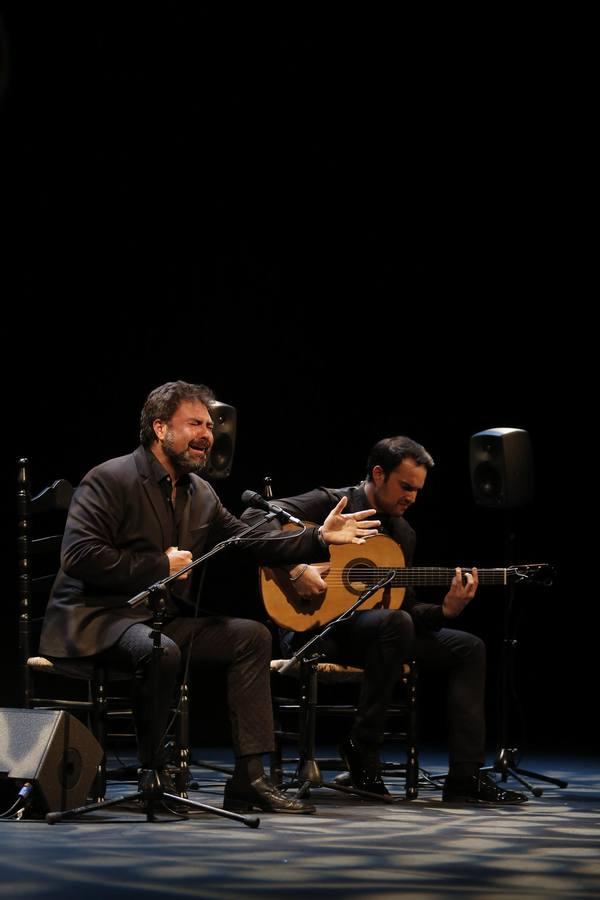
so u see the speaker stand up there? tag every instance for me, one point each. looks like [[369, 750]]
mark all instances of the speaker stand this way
[[506, 761], [506, 764]]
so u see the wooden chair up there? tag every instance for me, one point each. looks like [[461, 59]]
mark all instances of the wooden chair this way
[[79, 686], [307, 707]]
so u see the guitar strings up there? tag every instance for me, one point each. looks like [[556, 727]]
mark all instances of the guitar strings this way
[[407, 576]]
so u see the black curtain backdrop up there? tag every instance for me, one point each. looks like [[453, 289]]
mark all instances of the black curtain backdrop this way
[[349, 228]]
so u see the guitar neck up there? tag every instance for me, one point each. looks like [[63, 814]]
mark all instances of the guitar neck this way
[[437, 575]]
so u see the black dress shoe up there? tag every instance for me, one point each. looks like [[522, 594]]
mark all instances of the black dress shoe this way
[[479, 789], [363, 765], [242, 796]]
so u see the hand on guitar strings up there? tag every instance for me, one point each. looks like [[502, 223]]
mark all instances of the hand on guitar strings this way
[[462, 590], [310, 582], [348, 528]]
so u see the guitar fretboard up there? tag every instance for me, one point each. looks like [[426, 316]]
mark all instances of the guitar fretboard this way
[[415, 575]]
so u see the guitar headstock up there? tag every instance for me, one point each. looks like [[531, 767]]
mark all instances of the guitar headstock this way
[[533, 573]]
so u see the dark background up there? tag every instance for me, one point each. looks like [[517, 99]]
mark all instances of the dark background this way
[[349, 228]]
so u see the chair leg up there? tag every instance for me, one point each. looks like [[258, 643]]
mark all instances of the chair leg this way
[[276, 757], [412, 758], [276, 766], [308, 768], [97, 691], [182, 740]]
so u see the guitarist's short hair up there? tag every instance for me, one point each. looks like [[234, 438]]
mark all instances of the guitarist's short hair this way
[[389, 453]]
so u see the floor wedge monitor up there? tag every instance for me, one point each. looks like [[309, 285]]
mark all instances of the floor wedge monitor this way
[[53, 751]]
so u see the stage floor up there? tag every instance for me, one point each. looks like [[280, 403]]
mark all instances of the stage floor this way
[[351, 848]]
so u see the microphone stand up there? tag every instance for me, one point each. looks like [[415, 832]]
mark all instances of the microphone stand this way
[[308, 773], [151, 793]]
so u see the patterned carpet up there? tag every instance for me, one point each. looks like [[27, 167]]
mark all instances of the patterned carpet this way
[[351, 848]]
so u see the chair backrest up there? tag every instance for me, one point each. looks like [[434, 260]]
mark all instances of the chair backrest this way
[[40, 524]]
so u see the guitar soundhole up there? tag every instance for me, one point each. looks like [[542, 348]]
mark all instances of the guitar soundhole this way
[[358, 576]]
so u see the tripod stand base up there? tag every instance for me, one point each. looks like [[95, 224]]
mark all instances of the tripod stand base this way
[[152, 797], [421, 779], [309, 776], [506, 765]]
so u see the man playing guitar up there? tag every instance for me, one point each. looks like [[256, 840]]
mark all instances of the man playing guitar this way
[[381, 639]]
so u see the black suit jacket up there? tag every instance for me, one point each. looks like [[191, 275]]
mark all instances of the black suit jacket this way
[[114, 546]]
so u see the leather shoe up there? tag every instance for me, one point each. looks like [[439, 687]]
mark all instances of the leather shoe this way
[[363, 765], [242, 796], [479, 789]]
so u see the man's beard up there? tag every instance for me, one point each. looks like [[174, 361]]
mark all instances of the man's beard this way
[[183, 462]]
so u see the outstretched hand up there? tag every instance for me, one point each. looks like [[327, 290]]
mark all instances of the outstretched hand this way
[[348, 528]]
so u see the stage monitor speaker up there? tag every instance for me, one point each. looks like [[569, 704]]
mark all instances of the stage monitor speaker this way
[[501, 462], [221, 456], [52, 750]]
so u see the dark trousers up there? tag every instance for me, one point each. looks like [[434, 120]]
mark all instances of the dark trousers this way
[[460, 660], [243, 646]]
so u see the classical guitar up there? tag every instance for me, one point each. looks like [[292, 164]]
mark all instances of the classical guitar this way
[[355, 567]]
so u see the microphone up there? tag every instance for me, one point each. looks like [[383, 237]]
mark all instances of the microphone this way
[[251, 498]]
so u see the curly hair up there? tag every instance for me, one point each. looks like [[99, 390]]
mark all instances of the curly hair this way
[[163, 402]]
